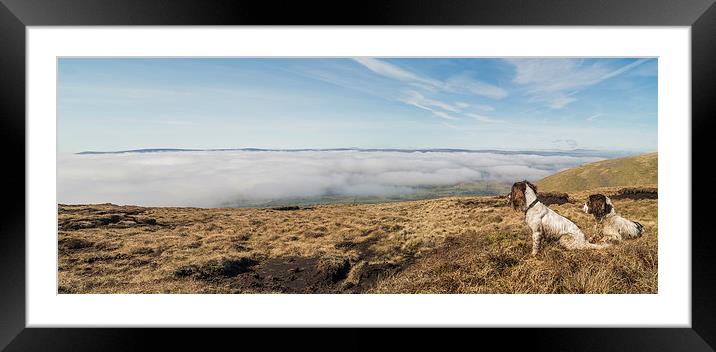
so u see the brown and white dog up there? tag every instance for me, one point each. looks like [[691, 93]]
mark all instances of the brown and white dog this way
[[614, 227], [544, 222]]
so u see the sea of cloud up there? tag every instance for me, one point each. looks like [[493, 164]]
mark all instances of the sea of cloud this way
[[216, 178]]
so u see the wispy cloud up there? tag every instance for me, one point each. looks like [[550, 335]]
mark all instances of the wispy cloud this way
[[560, 100], [554, 82], [449, 125], [483, 118], [465, 84], [444, 115], [624, 69], [482, 107], [593, 117], [387, 69], [460, 84], [418, 100], [565, 144]]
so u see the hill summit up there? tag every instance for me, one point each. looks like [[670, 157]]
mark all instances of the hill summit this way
[[629, 171]]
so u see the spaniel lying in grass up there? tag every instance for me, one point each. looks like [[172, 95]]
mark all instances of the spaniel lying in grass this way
[[614, 227], [544, 222]]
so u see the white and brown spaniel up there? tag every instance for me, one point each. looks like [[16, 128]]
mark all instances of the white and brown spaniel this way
[[544, 222], [614, 227]]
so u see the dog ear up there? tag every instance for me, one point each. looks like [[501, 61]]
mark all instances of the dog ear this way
[[534, 187], [517, 196], [598, 206]]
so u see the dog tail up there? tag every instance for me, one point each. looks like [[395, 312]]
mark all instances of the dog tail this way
[[639, 228]]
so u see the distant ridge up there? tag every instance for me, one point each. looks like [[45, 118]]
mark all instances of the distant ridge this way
[[574, 152], [158, 150], [637, 170]]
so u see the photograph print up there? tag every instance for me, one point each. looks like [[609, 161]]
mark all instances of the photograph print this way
[[374, 175]]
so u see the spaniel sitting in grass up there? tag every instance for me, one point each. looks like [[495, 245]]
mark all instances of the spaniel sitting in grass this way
[[544, 222], [614, 227]]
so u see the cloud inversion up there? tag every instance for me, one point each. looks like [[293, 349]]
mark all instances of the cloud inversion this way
[[216, 178]]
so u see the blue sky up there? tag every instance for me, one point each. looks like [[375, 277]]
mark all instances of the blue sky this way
[[534, 104]]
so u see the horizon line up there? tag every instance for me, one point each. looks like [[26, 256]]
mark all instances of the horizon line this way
[[438, 149]]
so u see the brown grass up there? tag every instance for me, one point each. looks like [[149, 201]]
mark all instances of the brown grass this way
[[448, 245], [622, 172]]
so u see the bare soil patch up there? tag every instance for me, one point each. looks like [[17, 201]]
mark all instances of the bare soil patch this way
[[636, 193], [549, 198]]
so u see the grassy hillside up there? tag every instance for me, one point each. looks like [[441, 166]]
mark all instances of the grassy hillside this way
[[447, 245], [638, 170]]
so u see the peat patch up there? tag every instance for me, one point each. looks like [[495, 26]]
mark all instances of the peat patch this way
[[102, 220], [482, 202], [290, 208], [636, 193], [215, 270], [549, 198], [73, 244], [293, 275]]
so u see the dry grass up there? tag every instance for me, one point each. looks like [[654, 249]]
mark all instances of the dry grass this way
[[630, 171], [448, 245]]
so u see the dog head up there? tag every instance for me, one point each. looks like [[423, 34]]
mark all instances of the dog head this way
[[598, 205], [517, 199]]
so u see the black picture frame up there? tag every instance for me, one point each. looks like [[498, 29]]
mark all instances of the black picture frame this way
[[16, 15]]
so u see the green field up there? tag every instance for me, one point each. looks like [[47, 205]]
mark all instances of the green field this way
[[483, 188]]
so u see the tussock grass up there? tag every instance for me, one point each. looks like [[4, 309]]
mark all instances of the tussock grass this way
[[447, 245], [498, 260]]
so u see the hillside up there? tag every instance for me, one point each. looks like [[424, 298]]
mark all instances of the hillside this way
[[641, 170], [447, 245]]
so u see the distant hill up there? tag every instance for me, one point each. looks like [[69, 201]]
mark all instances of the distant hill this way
[[573, 152], [629, 171]]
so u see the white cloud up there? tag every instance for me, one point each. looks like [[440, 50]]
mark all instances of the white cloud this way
[[568, 144], [460, 84], [416, 99], [208, 179], [465, 84], [444, 115], [624, 69], [593, 117], [553, 82], [559, 100], [482, 118], [386, 69]]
